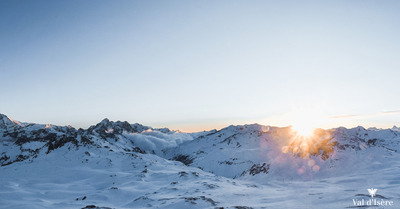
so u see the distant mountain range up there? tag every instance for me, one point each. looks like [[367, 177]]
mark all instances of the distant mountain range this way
[[123, 165]]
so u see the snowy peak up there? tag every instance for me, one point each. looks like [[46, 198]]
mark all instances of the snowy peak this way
[[137, 165], [7, 124], [107, 126], [395, 128], [104, 122], [110, 129], [25, 141], [234, 152], [256, 151]]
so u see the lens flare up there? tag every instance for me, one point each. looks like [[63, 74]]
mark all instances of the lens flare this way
[[305, 120], [321, 143]]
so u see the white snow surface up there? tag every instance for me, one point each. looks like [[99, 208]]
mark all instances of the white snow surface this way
[[153, 140], [111, 173]]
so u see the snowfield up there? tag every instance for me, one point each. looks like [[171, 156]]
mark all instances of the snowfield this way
[[122, 165]]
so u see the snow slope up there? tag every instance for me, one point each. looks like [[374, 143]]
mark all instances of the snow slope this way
[[122, 165]]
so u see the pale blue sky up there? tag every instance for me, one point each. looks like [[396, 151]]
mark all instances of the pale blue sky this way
[[194, 65]]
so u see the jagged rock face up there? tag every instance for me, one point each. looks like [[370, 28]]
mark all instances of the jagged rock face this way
[[129, 162], [255, 150], [7, 125], [108, 129], [28, 140], [234, 152], [360, 138]]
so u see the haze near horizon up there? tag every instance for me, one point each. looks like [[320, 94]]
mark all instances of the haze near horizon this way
[[201, 65]]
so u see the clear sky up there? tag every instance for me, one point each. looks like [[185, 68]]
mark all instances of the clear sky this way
[[195, 65]]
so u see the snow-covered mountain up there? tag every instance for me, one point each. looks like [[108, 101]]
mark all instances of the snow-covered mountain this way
[[237, 151], [123, 165]]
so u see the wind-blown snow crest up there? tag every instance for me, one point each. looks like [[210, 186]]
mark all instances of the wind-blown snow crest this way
[[123, 165], [156, 141]]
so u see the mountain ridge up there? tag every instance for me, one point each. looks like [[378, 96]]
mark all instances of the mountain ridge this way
[[236, 166]]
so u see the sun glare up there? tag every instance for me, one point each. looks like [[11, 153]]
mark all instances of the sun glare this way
[[305, 140], [303, 129], [305, 121]]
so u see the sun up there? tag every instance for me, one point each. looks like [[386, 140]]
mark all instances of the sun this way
[[305, 140], [303, 130], [305, 120]]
